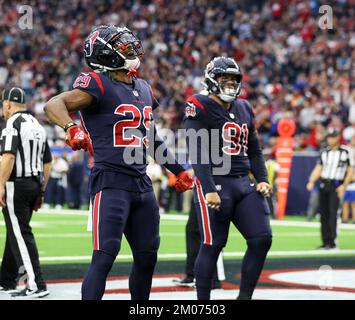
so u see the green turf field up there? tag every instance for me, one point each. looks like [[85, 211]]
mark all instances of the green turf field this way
[[62, 238]]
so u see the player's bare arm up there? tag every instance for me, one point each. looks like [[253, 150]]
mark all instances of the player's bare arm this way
[[184, 180], [258, 165], [347, 180], [57, 108], [7, 164], [315, 175], [46, 171]]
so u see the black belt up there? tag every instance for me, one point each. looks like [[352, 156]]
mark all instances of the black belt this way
[[36, 178], [331, 180], [336, 183]]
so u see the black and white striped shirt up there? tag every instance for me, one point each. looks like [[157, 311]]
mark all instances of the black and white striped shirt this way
[[336, 162], [23, 136]]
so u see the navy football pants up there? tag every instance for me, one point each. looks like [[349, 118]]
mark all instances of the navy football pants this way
[[136, 215], [248, 210]]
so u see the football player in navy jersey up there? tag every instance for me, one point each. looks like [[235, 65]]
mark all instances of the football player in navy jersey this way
[[116, 109], [226, 196]]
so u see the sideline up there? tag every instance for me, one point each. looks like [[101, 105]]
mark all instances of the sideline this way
[[178, 217], [163, 256]]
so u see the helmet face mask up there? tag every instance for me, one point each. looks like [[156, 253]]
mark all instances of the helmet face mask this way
[[229, 86], [223, 78], [127, 45], [111, 48]]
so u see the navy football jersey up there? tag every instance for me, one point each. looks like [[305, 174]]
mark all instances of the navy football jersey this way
[[236, 139], [119, 118]]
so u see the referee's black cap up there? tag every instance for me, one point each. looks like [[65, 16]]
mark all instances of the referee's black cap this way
[[14, 94], [333, 132]]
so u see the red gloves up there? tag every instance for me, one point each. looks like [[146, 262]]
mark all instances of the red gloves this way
[[184, 181], [77, 139]]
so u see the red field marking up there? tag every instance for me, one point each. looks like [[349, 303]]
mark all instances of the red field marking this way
[[266, 274], [225, 285], [264, 279]]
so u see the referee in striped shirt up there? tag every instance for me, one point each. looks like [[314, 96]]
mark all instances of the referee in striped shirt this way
[[335, 171], [24, 171]]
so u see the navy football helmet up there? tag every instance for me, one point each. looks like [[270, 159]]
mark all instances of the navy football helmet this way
[[113, 48], [220, 66]]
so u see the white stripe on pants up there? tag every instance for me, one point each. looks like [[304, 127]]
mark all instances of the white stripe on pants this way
[[10, 191], [220, 268]]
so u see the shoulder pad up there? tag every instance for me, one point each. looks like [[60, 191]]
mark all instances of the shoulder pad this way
[[89, 81], [193, 107]]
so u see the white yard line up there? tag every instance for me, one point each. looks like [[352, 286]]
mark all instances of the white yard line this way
[[58, 235], [86, 234], [177, 217], [172, 217], [308, 224], [226, 254], [69, 212]]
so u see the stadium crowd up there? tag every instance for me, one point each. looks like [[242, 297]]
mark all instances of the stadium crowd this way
[[291, 67]]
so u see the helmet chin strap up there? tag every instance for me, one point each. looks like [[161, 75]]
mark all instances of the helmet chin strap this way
[[132, 66], [226, 97], [132, 73], [227, 94]]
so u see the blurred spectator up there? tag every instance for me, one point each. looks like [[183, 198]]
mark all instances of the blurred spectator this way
[[349, 203], [272, 168], [313, 203], [2, 122], [349, 196], [294, 69], [349, 133], [57, 184], [289, 69], [155, 173]]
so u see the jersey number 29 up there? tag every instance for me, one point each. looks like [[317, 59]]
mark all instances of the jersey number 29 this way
[[122, 136]]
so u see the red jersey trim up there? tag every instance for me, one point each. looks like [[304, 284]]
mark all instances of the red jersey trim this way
[[196, 102], [98, 81]]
